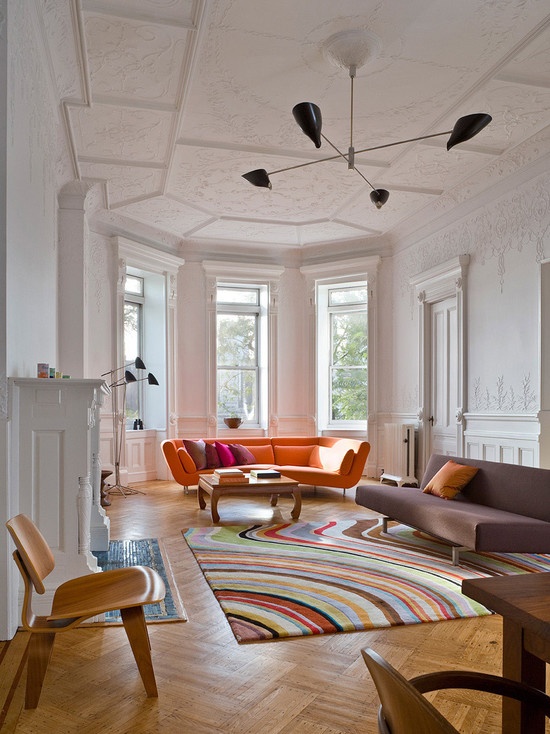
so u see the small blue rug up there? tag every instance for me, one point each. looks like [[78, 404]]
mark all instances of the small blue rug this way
[[144, 552]]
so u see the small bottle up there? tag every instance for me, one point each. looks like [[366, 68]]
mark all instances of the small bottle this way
[[135, 425]]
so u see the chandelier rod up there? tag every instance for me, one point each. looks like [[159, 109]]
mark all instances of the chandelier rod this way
[[351, 167]]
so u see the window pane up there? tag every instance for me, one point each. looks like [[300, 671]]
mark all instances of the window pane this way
[[134, 285], [237, 393], [132, 349], [243, 296], [340, 296], [349, 339], [349, 394], [237, 340]]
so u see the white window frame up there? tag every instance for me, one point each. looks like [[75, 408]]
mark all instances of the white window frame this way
[[261, 368], [246, 274], [341, 274], [324, 354]]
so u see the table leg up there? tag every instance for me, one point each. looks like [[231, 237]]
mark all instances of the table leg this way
[[214, 505], [518, 664], [274, 498], [200, 496], [297, 494]]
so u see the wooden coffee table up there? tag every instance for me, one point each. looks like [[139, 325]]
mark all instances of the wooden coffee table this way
[[208, 485]]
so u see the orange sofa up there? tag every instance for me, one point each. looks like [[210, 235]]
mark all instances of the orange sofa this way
[[325, 461]]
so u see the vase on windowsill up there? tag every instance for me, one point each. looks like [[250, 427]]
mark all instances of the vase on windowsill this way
[[233, 422]]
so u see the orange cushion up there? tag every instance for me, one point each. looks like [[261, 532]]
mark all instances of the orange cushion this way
[[262, 454], [292, 455], [347, 462], [450, 479], [186, 461], [331, 459]]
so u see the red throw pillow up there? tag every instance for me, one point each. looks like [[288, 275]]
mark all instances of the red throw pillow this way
[[212, 458], [226, 457], [241, 453]]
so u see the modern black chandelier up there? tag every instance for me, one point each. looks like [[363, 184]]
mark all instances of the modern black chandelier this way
[[347, 50]]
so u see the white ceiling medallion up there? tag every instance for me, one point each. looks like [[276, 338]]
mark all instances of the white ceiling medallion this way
[[349, 49]]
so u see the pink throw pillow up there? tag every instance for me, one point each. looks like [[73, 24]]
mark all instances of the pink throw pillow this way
[[224, 452]]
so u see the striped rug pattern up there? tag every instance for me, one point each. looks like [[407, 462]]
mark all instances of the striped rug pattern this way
[[300, 578]]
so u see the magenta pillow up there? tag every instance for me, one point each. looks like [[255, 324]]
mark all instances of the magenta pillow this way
[[226, 457], [212, 458], [242, 454], [197, 451]]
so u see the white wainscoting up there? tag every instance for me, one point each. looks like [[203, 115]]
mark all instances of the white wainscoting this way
[[141, 455], [511, 439]]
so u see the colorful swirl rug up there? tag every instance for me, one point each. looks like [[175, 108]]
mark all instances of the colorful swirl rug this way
[[297, 579]]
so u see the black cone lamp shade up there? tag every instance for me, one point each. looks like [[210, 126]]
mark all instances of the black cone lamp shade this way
[[151, 379], [139, 364], [466, 127], [308, 117], [258, 177], [379, 197]]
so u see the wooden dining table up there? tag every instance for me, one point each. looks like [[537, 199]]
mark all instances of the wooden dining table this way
[[523, 601]]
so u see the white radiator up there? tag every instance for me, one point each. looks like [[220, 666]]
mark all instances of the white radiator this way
[[399, 455]]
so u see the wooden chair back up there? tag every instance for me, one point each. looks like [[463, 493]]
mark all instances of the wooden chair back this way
[[34, 554], [404, 709]]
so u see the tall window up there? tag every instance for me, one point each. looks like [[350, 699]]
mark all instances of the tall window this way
[[240, 321], [343, 355], [134, 298]]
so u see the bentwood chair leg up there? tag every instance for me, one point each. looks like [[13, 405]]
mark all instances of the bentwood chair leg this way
[[138, 636], [40, 652]]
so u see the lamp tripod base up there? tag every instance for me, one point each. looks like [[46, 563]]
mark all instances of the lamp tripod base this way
[[118, 487], [122, 490]]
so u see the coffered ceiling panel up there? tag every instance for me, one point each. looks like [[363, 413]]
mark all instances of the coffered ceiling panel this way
[[169, 102]]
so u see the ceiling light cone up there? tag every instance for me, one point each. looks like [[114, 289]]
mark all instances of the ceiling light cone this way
[[138, 364], [151, 379], [258, 177], [466, 127], [308, 117], [379, 197], [129, 376]]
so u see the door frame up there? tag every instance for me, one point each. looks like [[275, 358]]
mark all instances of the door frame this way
[[436, 284]]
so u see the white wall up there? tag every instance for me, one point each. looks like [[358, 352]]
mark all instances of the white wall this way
[[29, 242], [506, 238]]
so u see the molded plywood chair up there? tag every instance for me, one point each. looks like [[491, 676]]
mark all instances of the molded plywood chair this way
[[76, 600], [405, 710]]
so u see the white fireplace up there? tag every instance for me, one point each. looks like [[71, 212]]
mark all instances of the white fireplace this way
[[56, 469]]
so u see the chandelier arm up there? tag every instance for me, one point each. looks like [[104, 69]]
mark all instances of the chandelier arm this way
[[302, 165], [363, 150], [402, 142]]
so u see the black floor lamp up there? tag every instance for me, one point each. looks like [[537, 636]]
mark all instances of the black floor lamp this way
[[118, 405]]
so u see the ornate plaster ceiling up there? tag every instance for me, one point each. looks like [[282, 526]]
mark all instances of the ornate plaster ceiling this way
[[169, 102]]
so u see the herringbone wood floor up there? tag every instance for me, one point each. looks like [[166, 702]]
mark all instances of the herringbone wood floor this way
[[208, 684]]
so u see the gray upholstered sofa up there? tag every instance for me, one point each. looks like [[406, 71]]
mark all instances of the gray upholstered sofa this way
[[505, 508]]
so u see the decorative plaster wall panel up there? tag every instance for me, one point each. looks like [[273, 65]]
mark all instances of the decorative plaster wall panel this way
[[167, 214], [130, 60], [121, 134]]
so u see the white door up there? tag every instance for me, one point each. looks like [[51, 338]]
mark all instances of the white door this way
[[442, 425]]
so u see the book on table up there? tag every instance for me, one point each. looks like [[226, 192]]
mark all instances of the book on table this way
[[229, 471], [265, 473], [230, 476]]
